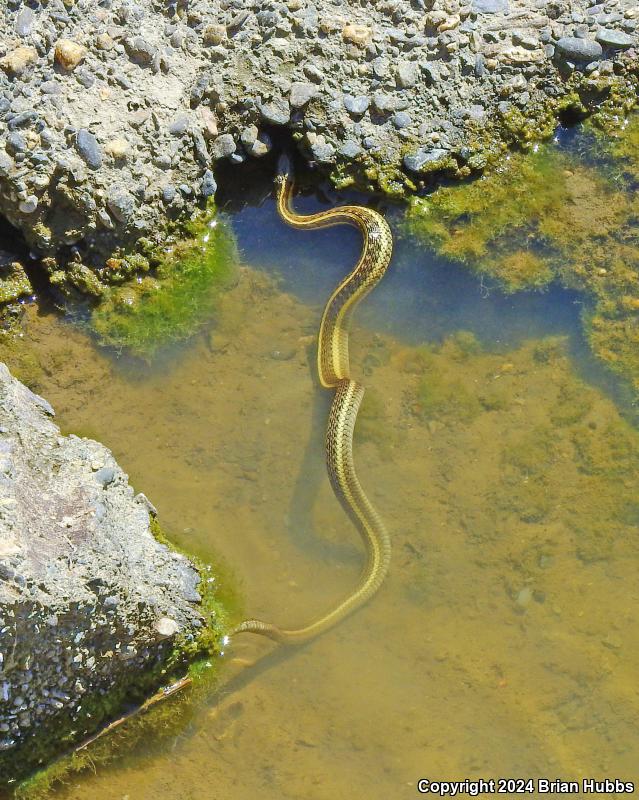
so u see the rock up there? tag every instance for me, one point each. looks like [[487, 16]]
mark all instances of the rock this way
[[68, 54], [301, 94], [223, 146], [401, 120], [214, 34], [96, 611], [140, 51], [572, 48], [357, 34], [321, 150], [29, 205], [17, 60], [426, 160], [88, 147], [356, 105], [490, 6], [117, 148], [248, 137], [613, 38], [24, 21], [350, 149], [209, 185], [120, 203], [407, 74], [276, 112], [15, 143], [179, 125]]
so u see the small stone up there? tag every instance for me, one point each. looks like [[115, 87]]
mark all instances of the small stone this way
[[88, 147], [140, 51], [401, 120], [357, 34], [17, 60], [356, 105], [384, 103], [117, 148], [29, 205], [6, 163], [214, 34], [322, 151], [179, 125], [407, 74], [490, 6], [166, 626], [301, 94], [350, 149], [105, 476], [68, 54], [612, 38], [120, 203], [168, 194], [223, 146], [209, 122], [313, 73], [24, 21], [574, 49], [209, 185], [104, 42], [248, 137], [276, 112], [15, 143], [426, 160]]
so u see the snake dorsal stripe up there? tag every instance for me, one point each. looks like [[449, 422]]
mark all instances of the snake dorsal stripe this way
[[334, 373]]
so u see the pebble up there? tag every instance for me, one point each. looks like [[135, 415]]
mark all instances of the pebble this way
[[613, 38], [357, 34], [209, 186], [18, 60], [68, 54], [88, 147], [29, 205], [424, 158], [166, 626], [301, 94], [276, 112], [24, 21], [401, 120], [490, 6], [179, 125], [223, 146], [356, 105], [407, 74], [105, 476], [574, 49], [350, 149], [120, 203]]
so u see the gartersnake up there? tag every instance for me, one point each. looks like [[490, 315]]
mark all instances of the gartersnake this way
[[333, 369]]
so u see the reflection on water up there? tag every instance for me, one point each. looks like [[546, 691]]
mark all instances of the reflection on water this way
[[504, 641]]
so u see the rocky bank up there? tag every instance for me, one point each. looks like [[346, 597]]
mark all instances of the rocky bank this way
[[93, 610], [113, 115]]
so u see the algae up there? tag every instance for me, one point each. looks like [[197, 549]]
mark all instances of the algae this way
[[550, 215], [170, 304]]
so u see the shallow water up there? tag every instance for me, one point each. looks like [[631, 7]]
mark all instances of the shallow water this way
[[504, 641]]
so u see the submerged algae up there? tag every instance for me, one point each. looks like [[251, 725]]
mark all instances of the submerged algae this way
[[548, 216], [172, 303]]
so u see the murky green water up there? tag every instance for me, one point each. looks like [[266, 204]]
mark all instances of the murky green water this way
[[504, 642]]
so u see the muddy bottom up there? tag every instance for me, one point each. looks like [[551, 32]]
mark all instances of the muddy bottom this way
[[504, 641]]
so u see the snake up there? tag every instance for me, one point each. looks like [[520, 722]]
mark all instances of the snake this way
[[334, 373]]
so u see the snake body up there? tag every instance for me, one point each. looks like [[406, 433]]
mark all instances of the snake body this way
[[333, 370]]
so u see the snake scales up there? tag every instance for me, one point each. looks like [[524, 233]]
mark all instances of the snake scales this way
[[334, 373]]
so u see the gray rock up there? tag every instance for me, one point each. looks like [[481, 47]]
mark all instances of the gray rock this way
[[350, 149], [29, 204], [571, 48], [407, 74], [401, 120], [425, 160], [209, 185], [120, 203], [248, 137], [322, 151], [24, 21], [356, 105], [85, 617], [179, 125], [15, 143], [490, 6], [88, 147], [301, 94], [140, 51], [276, 112], [223, 146], [168, 194], [6, 164], [612, 38]]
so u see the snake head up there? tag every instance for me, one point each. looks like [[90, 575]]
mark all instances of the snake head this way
[[284, 168]]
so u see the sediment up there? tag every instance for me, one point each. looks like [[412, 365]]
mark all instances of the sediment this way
[[113, 116]]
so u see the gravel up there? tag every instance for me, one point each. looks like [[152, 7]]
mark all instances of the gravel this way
[[97, 99]]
